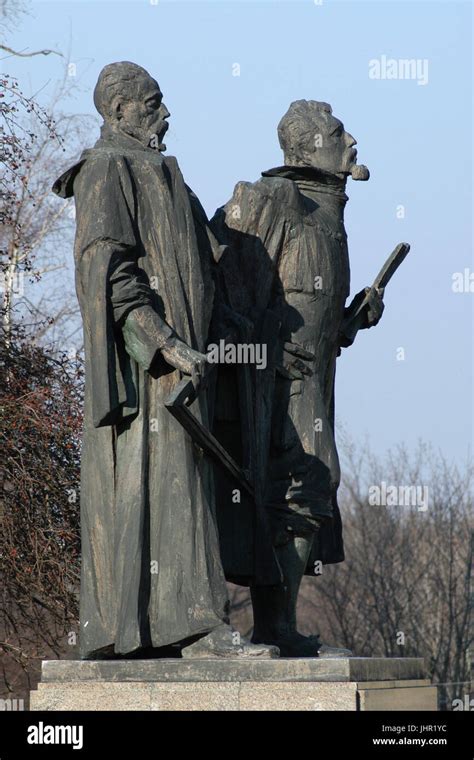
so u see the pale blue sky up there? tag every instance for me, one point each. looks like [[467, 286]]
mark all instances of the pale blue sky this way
[[416, 140]]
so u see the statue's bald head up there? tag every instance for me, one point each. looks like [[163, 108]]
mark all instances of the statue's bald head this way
[[120, 79], [130, 101]]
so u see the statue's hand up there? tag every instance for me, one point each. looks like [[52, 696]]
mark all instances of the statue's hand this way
[[297, 360], [364, 311], [371, 301], [186, 359], [375, 306]]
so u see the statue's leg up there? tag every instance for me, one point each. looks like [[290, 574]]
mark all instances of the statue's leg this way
[[274, 607], [293, 557]]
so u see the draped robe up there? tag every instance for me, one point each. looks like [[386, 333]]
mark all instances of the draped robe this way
[[151, 570]]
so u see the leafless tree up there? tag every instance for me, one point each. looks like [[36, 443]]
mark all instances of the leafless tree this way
[[36, 235], [404, 589], [40, 432]]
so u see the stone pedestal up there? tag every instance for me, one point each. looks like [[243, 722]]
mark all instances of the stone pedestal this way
[[355, 683]]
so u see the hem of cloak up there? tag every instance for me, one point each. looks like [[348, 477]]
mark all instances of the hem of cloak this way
[[87, 653]]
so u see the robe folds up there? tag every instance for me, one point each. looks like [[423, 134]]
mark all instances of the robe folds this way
[[287, 262], [151, 569]]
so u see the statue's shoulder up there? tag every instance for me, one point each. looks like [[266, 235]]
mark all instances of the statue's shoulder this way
[[267, 190], [263, 205], [94, 162]]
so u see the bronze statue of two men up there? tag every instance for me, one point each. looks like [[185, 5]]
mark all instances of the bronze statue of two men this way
[[163, 526]]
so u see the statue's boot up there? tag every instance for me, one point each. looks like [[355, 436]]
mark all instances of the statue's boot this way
[[326, 651], [274, 607], [225, 641], [295, 644], [298, 645]]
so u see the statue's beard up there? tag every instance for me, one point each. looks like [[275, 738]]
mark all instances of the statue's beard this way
[[359, 172], [156, 140], [133, 131], [148, 138]]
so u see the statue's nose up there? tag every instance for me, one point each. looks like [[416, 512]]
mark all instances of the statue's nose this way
[[164, 112]]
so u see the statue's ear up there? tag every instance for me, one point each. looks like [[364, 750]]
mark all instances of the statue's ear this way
[[115, 109]]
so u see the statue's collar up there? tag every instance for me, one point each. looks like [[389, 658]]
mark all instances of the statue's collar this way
[[109, 140], [311, 180]]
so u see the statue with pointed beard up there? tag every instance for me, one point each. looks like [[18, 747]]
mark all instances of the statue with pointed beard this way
[[152, 576]]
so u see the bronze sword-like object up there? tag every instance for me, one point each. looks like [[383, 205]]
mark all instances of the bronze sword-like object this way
[[178, 403], [384, 276], [391, 265]]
